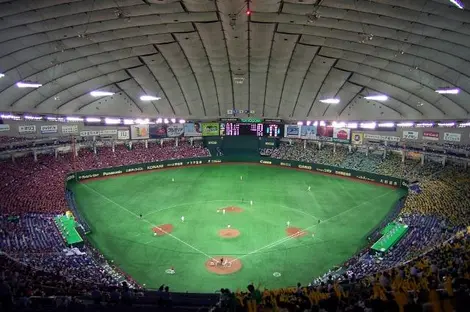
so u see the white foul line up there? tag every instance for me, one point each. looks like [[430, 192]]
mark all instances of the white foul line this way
[[285, 239], [153, 225]]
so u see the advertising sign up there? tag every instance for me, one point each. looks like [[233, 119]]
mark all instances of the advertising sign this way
[[342, 135], [431, 136], [410, 135], [70, 129], [210, 128], [139, 132], [87, 133], [157, 131], [291, 131], [27, 129], [123, 135], [175, 130], [378, 137], [4, 127], [49, 129], [357, 138], [452, 137], [192, 129], [308, 132]]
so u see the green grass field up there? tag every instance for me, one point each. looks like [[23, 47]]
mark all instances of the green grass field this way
[[348, 210]]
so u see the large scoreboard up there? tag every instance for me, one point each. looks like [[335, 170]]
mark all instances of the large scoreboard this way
[[251, 127]]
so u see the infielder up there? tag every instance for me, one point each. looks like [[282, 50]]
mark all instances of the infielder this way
[[182, 218], [309, 188], [241, 178], [223, 211], [251, 202], [288, 223]]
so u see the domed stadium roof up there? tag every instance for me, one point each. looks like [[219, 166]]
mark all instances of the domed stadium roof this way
[[205, 58]]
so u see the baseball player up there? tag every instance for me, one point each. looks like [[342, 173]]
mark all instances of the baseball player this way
[[182, 218], [223, 211], [241, 178], [288, 223], [251, 202], [309, 188], [172, 179]]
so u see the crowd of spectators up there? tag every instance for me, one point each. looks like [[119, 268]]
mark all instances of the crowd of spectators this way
[[428, 267]]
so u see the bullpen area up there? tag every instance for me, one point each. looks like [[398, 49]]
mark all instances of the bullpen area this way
[[199, 229]]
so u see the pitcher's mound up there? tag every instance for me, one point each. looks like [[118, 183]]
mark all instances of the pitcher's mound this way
[[295, 232], [230, 265], [163, 229], [229, 233], [231, 209]]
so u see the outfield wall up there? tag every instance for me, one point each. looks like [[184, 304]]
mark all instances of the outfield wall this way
[[366, 176]]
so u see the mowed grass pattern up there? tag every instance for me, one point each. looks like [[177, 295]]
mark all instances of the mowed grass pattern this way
[[348, 210]]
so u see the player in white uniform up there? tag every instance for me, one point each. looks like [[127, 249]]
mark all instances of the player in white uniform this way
[[251, 202], [241, 178], [172, 179], [182, 218], [223, 211], [288, 223], [309, 188]]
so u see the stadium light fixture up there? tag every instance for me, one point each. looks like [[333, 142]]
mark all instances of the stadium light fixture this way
[[368, 125], [446, 124], [10, 116], [386, 125], [128, 121], [380, 98], [28, 85], [165, 121], [101, 93], [93, 119], [457, 3], [28, 117], [299, 123], [424, 125], [330, 101], [338, 124], [322, 123], [2, 75], [145, 121], [352, 125], [309, 123], [112, 121], [315, 123], [74, 119], [182, 121], [173, 120], [149, 98], [159, 121], [464, 125], [405, 124], [448, 91]]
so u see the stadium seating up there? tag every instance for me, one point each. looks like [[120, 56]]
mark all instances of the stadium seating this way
[[428, 268]]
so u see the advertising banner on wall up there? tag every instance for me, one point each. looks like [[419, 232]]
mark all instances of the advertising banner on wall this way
[[73, 129], [175, 130], [139, 132], [377, 137], [291, 131], [357, 138], [452, 137], [27, 129], [210, 128], [192, 129], [431, 136], [342, 135], [49, 129], [87, 133], [308, 132], [410, 135], [123, 135], [157, 131], [4, 127]]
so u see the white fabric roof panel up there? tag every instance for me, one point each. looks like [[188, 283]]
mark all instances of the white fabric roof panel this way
[[204, 58]]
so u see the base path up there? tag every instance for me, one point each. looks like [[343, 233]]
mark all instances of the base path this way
[[163, 229], [229, 233], [231, 209], [230, 265], [295, 232]]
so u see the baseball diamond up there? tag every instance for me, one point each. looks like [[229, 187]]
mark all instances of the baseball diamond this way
[[339, 212]]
